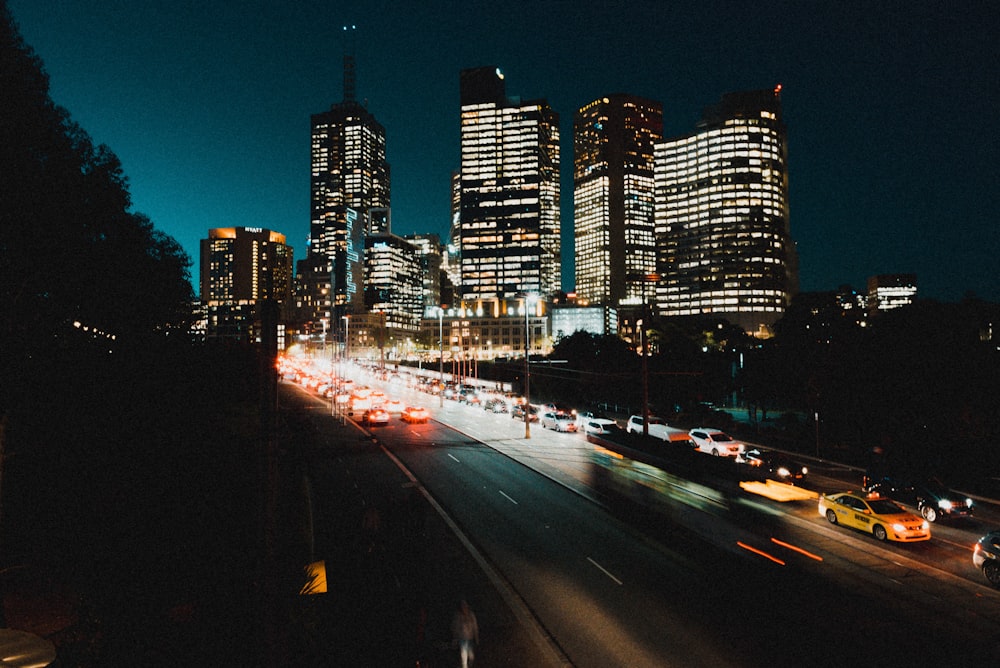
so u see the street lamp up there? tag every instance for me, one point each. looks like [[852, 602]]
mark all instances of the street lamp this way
[[347, 341], [528, 302], [441, 356]]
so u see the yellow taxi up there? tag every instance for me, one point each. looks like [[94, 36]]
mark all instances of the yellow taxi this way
[[874, 514]]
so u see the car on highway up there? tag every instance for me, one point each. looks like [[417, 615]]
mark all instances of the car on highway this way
[[932, 498], [602, 427], [558, 421], [518, 413], [552, 407], [986, 557], [394, 406], [881, 517], [774, 465], [635, 423], [495, 405], [716, 442], [376, 415], [583, 417], [415, 414]]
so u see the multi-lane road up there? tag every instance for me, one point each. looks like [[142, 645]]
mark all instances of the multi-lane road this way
[[608, 584]]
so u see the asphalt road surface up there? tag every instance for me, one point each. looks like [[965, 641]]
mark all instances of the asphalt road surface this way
[[416, 517]]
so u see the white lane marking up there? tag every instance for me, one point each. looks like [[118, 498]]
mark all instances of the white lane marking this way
[[604, 570], [508, 498], [454, 457]]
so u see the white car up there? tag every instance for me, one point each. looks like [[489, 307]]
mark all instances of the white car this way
[[654, 425], [583, 417], [601, 427], [558, 421], [716, 442]]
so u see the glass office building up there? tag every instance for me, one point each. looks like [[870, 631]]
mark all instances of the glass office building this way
[[509, 220], [722, 225], [613, 198]]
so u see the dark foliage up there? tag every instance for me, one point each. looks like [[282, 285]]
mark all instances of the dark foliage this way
[[131, 458]]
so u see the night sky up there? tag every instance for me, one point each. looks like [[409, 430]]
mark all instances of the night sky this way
[[892, 107]]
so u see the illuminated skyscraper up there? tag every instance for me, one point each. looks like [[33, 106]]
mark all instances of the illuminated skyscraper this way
[[240, 268], [613, 195], [349, 196], [509, 213], [722, 225], [394, 282]]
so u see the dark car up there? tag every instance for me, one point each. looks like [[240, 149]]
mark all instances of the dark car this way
[[768, 464], [986, 557], [518, 413], [932, 498], [495, 405]]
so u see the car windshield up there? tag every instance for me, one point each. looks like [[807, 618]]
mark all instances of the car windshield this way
[[885, 507]]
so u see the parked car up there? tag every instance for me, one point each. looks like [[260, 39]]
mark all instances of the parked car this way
[[986, 557], [932, 498], [881, 517], [773, 465], [716, 442], [558, 421]]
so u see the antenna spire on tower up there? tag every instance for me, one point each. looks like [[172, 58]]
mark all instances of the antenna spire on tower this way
[[350, 80]]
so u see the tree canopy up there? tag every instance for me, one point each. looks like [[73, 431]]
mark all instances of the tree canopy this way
[[77, 266]]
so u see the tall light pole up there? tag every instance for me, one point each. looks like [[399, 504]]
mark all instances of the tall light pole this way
[[441, 356], [527, 368], [347, 340], [645, 378], [333, 366]]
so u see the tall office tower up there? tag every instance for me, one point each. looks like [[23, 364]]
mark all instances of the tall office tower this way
[[509, 217], [394, 282], [723, 241], [430, 254], [613, 198], [240, 268], [349, 195]]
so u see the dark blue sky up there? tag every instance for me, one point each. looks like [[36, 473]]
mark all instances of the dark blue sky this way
[[892, 107]]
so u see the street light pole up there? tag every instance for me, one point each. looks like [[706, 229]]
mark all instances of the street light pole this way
[[441, 356], [527, 372], [347, 340]]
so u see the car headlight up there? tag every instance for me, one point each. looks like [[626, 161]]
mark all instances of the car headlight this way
[[968, 503], [926, 525], [899, 528], [944, 504], [783, 472], [805, 471]]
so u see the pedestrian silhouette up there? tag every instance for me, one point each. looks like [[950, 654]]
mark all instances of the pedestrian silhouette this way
[[465, 634]]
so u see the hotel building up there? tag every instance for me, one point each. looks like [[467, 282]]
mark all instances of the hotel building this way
[[241, 267]]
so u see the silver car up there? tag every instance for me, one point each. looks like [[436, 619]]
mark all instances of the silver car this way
[[558, 421]]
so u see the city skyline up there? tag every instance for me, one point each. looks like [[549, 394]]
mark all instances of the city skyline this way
[[890, 152]]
